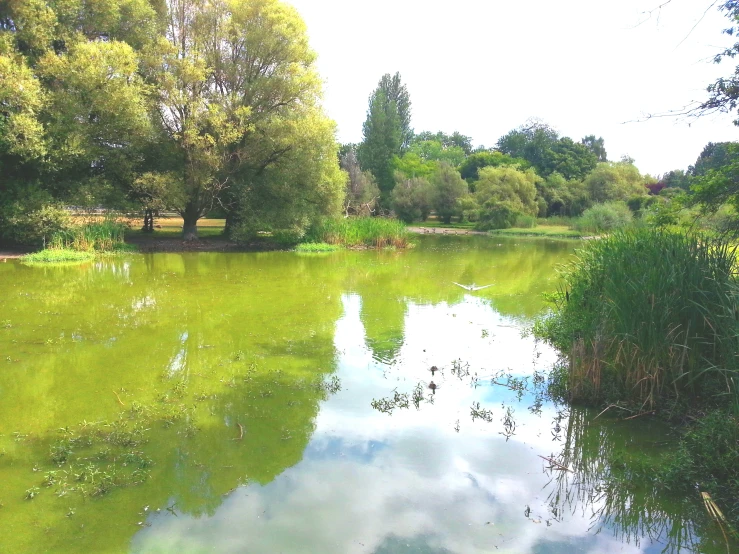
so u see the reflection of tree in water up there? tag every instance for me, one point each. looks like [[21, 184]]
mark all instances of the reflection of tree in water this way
[[607, 485]]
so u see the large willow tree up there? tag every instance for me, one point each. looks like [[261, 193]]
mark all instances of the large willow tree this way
[[237, 88]]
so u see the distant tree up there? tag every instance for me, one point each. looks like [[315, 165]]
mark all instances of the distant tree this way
[[456, 139], [716, 185], [510, 186], [362, 194], [532, 141], [434, 150], [412, 165], [448, 188], [596, 146], [570, 159], [412, 199], [615, 181], [676, 178], [386, 131], [563, 197], [474, 162], [715, 155]]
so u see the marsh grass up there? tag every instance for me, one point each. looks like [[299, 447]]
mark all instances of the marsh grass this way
[[646, 314], [106, 235], [371, 232]]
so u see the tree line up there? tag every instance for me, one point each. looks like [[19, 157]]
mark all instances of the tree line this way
[[187, 105]]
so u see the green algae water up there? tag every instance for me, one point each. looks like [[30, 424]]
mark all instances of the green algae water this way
[[285, 403]]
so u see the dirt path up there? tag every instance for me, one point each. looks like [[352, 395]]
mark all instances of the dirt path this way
[[444, 231]]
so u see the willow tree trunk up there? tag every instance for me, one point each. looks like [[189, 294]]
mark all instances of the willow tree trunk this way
[[190, 218]]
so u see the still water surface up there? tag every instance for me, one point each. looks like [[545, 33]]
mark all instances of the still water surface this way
[[282, 403]]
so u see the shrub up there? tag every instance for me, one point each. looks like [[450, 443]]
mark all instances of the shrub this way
[[36, 227], [496, 216], [644, 314], [525, 221], [605, 217]]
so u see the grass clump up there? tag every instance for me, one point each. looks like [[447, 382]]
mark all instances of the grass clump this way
[[315, 247], [605, 217], [106, 235], [371, 232], [645, 315], [58, 255]]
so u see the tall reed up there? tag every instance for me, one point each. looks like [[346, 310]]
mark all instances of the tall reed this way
[[373, 232], [646, 313], [102, 236]]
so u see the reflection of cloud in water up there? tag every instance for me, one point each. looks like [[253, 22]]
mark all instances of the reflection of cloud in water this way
[[426, 492], [374, 483]]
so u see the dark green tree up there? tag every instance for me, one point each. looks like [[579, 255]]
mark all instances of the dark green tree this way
[[386, 132], [596, 146]]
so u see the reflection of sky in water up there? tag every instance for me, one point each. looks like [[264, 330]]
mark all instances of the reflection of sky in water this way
[[370, 482]]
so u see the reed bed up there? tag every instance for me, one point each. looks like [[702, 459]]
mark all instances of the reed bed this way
[[645, 314], [371, 232], [106, 235]]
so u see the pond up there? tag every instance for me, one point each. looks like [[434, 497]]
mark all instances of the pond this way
[[285, 403]]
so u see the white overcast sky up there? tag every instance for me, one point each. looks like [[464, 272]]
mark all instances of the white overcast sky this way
[[483, 67]]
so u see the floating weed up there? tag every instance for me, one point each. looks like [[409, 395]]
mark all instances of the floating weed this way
[[417, 396], [32, 493], [50, 478], [478, 412], [509, 424], [387, 405], [5, 324]]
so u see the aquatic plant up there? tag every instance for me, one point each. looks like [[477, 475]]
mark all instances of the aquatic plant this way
[[58, 255], [605, 217], [315, 247], [372, 232], [106, 235], [645, 314]]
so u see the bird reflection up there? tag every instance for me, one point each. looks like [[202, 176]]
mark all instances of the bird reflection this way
[[433, 387], [472, 287], [434, 369]]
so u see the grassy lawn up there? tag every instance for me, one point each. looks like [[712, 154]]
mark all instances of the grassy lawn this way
[[553, 231], [171, 227]]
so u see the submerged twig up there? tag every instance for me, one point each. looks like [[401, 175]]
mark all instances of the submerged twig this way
[[556, 465], [119, 399]]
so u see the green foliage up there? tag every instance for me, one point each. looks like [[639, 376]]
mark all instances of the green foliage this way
[[496, 216], [645, 314], [717, 183], [386, 131], [596, 146], [372, 232], [615, 181], [525, 221], [412, 199], [707, 457], [547, 152], [563, 197], [605, 217], [411, 165], [58, 255], [315, 247], [455, 140], [470, 167], [508, 185], [101, 236], [24, 225], [448, 189], [434, 150]]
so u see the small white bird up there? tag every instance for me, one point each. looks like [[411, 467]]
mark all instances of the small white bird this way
[[472, 287]]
